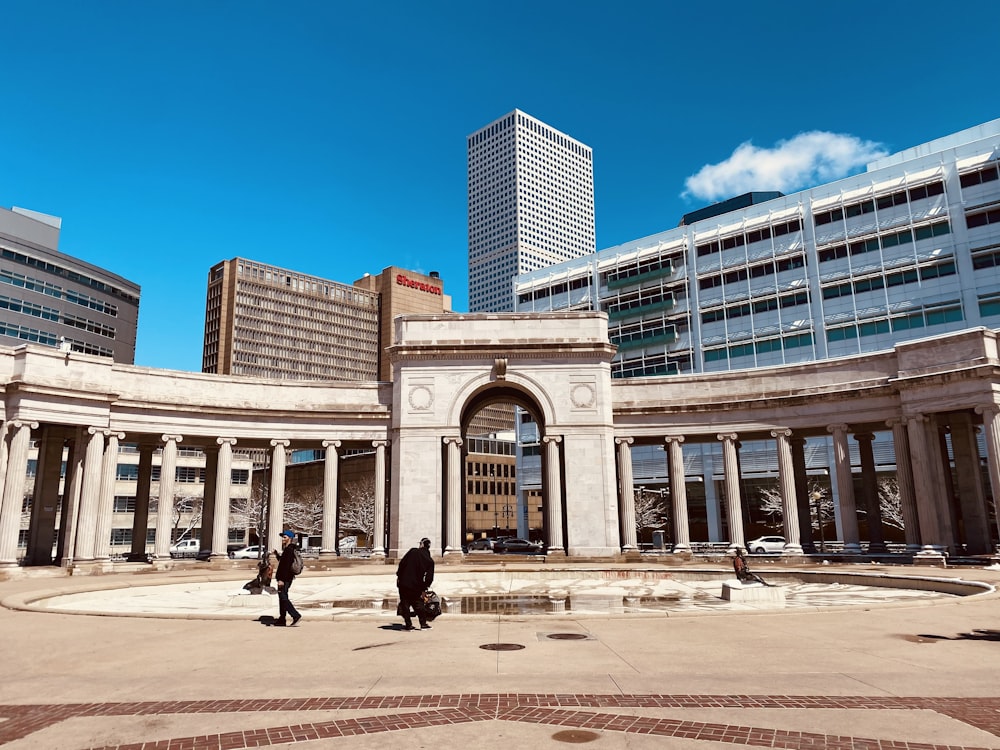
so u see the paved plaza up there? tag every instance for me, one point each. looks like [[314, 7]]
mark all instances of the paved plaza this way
[[859, 671]]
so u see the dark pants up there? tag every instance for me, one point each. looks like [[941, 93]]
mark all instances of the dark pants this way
[[285, 604], [411, 599]]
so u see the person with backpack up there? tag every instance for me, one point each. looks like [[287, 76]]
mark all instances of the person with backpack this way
[[289, 566], [414, 575]]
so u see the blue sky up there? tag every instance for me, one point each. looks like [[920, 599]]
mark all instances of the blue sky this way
[[329, 137]]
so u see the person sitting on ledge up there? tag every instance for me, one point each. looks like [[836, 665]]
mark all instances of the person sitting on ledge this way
[[742, 569]]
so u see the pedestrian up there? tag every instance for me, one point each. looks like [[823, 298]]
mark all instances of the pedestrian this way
[[742, 569], [289, 566], [414, 576]]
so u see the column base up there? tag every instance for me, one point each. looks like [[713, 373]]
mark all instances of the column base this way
[[852, 548]]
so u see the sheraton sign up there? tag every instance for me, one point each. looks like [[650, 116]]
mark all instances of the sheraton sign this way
[[402, 280]]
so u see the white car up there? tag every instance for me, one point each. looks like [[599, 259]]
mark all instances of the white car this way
[[247, 553], [763, 544], [186, 548]]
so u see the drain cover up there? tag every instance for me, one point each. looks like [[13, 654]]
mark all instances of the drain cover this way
[[567, 636], [575, 736], [502, 646]]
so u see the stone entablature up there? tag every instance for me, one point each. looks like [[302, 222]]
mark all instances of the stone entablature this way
[[557, 366]]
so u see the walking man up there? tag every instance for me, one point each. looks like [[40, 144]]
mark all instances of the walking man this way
[[414, 575], [289, 566]]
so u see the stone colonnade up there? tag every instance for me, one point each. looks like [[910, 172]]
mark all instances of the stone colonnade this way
[[932, 394]]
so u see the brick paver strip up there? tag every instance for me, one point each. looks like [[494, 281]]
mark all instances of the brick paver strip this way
[[549, 709]]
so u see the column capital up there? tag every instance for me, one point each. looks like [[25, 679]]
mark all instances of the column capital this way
[[728, 436], [331, 444], [864, 437], [556, 439], [624, 441], [452, 440], [165, 438], [225, 441], [894, 422], [19, 423], [919, 418], [114, 434], [985, 409], [95, 430], [781, 432], [280, 442], [835, 428], [380, 443], [673, 439]]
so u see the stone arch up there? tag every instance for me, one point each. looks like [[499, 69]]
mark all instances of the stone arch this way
[[515, 500], [517, 389]]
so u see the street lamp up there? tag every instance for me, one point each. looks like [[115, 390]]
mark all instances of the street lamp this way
[[496, 510]]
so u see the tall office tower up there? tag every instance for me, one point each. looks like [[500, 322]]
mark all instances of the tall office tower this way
[[48, 297], [531, 205], [268, 322]]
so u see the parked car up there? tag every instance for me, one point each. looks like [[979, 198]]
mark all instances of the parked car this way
[[251, 552], [763, 544], [480, 545], [517, 547], [186, 548]]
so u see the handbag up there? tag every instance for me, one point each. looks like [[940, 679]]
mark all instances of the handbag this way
[[432, 604]]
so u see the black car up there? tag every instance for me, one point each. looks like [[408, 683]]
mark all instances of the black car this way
[[518, 547]]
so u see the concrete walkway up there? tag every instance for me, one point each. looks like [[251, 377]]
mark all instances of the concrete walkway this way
[[918, 674]]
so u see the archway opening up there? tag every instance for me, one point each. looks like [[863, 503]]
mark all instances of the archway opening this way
[[503, 477]]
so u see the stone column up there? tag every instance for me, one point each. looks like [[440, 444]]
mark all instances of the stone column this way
[[678, 493], [330, 467], [378, 543], [70, 508], [944, 491], [734, 508], [13, 490], [789, 503], [932, 546], [553, 494], [276, 496], [845, 489], [869, 486], [47, 496], [627, 494], [904, 480], [140, 521], [802, 499], [453, 517], [208, 497], [90, 496], [165, 498], [969, 478], [105, 513], [991, 426], [223, 489]]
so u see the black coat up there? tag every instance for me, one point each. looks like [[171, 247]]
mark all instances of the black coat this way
[[416, 570], [285, 559]]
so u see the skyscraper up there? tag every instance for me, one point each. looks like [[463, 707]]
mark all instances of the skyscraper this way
[[531, 205]]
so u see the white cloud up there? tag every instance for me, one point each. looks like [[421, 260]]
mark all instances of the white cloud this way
[[803, 161]]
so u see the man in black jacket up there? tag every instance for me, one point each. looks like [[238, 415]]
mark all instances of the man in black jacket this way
[[285, 575], [414, 575]]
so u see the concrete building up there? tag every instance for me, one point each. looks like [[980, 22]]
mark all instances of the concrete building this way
[[557, 368], [268, 322], [54, 299], [907, 249], [531, 205], [910, 248]]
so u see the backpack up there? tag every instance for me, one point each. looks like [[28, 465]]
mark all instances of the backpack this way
[[297, 563]]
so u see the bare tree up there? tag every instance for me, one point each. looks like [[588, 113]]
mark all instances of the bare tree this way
[[357, 512], [304, 511], [650, 509], [186, 517], [820, 496], [249, 512]]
